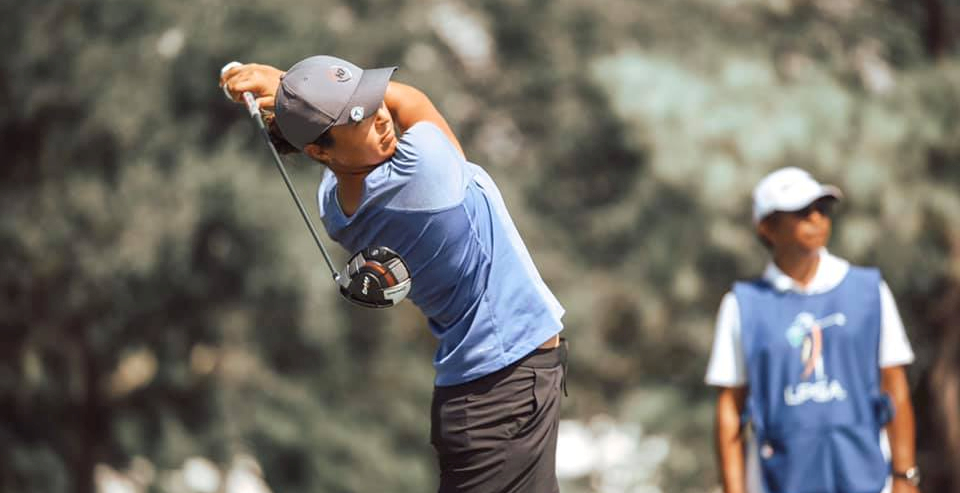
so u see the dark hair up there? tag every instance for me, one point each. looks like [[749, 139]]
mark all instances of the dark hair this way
[[773, 218], [285, 147]]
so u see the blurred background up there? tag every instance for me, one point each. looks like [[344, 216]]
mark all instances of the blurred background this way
[[167, 325]]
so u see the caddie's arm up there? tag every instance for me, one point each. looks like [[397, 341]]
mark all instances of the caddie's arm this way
[[900, 430], [729, 439], [408, 105]]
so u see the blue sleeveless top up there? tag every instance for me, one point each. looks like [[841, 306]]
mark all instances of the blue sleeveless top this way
[[472, 275], [814, 398]]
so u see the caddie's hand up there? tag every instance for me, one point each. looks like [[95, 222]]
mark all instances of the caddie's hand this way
[[261, 80], [900, 486]]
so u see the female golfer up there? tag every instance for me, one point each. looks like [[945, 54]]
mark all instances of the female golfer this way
[[812, 355], [397, 176]]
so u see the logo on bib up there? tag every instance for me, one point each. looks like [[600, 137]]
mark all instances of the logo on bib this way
[[806, 333], [819, 391]]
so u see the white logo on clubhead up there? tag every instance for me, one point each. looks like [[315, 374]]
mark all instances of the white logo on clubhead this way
[[356, 113]]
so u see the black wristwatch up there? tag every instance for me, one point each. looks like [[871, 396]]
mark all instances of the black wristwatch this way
[[911, 475]]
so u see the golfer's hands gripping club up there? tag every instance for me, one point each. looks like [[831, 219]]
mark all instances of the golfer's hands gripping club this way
[[260, 81]]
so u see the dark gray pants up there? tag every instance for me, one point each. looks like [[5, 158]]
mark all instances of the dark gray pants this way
[[498, 434]]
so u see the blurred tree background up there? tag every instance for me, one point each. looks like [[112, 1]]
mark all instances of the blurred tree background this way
[[166, 324]]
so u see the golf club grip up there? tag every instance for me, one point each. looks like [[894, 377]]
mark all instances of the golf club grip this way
[[224, 70], [248, 98], [252, 106]]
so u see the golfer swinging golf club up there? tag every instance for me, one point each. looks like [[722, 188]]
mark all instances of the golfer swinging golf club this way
[[397, 176], [375, 277]]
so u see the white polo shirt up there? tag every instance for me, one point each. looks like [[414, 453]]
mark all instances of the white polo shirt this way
[[727, 367]]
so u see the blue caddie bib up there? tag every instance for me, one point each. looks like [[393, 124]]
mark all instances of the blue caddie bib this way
[[814, 400]]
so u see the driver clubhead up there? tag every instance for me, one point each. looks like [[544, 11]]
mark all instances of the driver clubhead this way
[[375, 277]]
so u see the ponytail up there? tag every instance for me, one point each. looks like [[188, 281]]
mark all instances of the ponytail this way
[[283, 146]]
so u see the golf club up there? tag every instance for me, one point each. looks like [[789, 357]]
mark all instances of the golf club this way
[[374, 277]]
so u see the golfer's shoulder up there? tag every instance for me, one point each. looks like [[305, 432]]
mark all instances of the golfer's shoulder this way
[[424, 174], [424, 145]]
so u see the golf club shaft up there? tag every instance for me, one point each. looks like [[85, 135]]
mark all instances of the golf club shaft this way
[[254, 110]]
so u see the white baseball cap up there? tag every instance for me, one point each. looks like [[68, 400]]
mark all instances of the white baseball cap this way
[[788, 189]]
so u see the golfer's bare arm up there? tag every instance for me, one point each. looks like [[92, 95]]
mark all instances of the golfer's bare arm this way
[[408, 105], [729, 439], [900, 430]]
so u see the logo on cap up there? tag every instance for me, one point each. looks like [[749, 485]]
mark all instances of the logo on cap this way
[[339, 74], [356, 113]]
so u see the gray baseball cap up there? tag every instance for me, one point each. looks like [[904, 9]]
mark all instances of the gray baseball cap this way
[[322, 91]]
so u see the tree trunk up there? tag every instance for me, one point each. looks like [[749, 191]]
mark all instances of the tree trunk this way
[[944, 383], [937, 36], [90, 417]]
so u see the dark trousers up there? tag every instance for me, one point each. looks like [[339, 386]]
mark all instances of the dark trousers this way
[[498, 434]]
